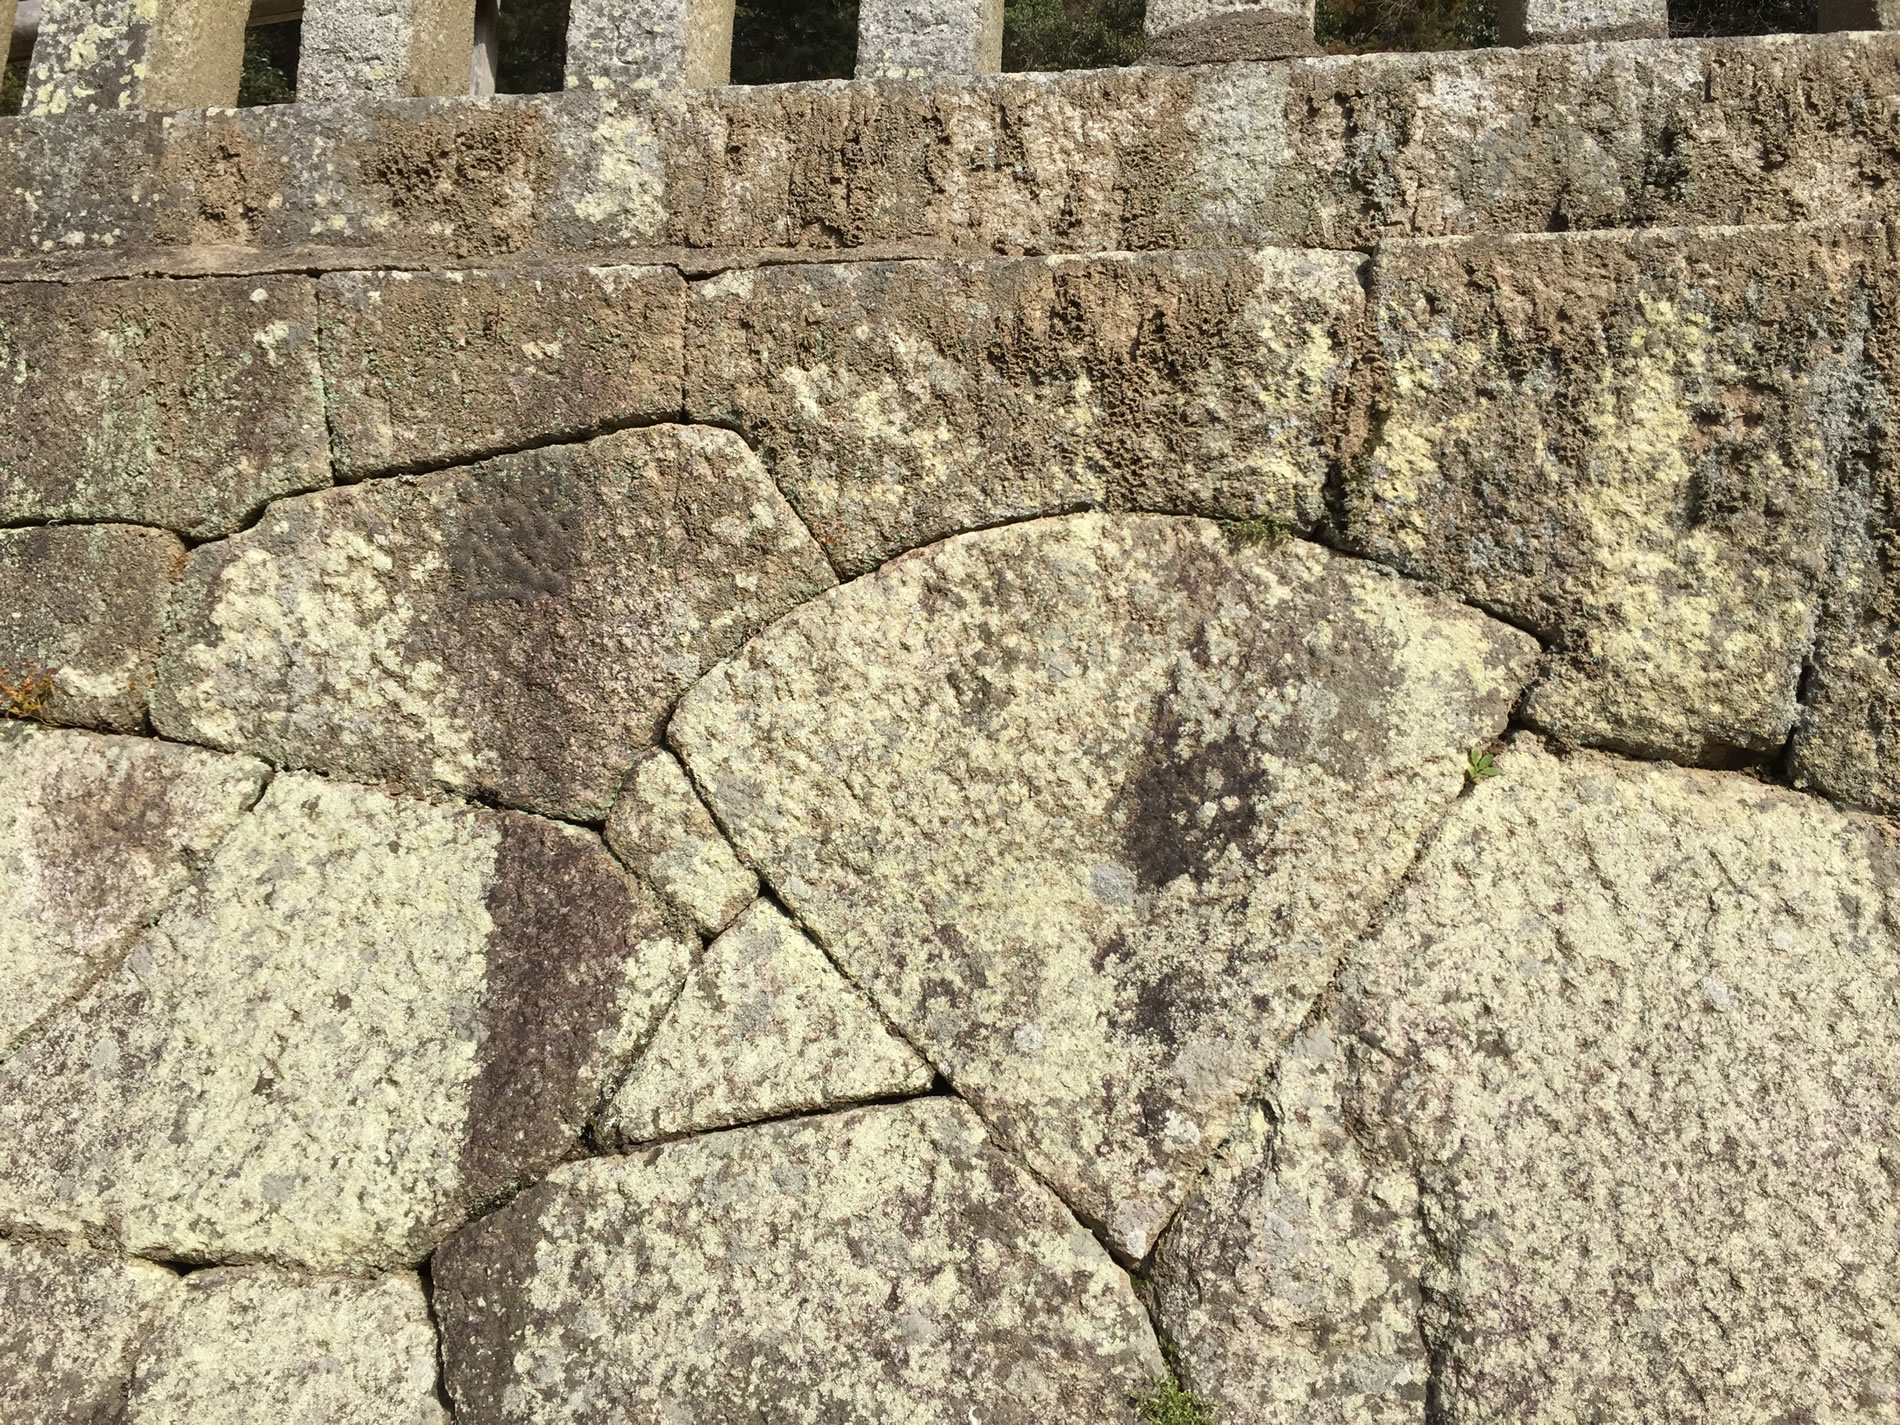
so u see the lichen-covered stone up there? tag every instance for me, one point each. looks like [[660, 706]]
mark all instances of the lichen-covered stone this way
[[1289, 1282], [1091, 806], [71, 1322], [109, 55], [902, 402], [85, 605], [428, 369], [390, 48], [517, 630], [368, 1016], [96, 836], [186, 405], [661, 830], [642, 43], [248, 1344], [887, 1263], [901, 39], [1627, 442], [765, 1027], [1640, 1029]]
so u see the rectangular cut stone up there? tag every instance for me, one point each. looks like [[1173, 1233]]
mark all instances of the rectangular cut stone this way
[[1534, 22], [1627, 443], [1219, 31], [186, 405], [437, 368], [389, 48], [923, 39], [136, 54], [86, 604], [626, 43], [902, 402]]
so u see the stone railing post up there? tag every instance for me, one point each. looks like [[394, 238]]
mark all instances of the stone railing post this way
[[1544, 22], [388, 48], [1214, 31], [95, 55], [625, 43], [7, 12], [917, 39]]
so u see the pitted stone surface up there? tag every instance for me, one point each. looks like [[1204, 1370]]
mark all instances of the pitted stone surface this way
[[766, 1027], [1289, 1283], [901, 402], [887, 1263], [71, 1322], [1091, 805], [369, 1016], [86, 605], [429, 369], [517, 630], [96, 836], [1628, 442], [186, 405], [250, 1344], [660, 829], [1640, 1028]]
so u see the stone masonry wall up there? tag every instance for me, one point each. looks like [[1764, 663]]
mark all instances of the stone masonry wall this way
[[1044, 748]]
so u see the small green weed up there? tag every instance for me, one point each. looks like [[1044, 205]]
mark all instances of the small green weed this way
[[1268, 532], [1166, 1403], [27, 694], [1479, 766]]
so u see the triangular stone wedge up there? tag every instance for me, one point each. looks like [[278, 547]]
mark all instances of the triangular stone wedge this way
[[1092, 805]]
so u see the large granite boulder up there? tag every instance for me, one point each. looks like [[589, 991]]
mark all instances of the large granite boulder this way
[[517, 630], [97, 834], [888, 1263], [1091, 806], [369, 1016]]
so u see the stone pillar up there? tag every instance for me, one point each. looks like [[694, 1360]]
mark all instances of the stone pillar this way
[[6, 25], [1858, 15], [393, 49], [626, 43], [1545, 22], [1215, 31], [95, 55], [916, 39]]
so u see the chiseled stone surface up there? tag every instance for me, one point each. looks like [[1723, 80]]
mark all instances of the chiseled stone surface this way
[[765, 1027], [427, 369], [86, 604], [516, 630], [1092, 805], [368, 1016], [929, 39], [1628, 442], [71, 1322], [1538, 22], [248, 1344], [1289, 1283], [96, 836], [186, 405], [388, 48], [1640, 1026], [901, 402], [643, 43], [887, 1263], [660, 829]]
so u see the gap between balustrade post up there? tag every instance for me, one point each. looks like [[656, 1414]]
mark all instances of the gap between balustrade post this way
[[94, 55]]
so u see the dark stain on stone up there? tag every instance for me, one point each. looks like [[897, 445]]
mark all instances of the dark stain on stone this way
[[525, 541], [1188, 803], [463, 172]]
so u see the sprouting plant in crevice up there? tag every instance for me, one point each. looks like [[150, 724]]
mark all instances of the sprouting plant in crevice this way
[[27, 693], [1167, 1402], [1479, 765], [1269, 531]]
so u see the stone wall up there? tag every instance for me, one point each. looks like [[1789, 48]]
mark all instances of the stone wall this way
[[1034, 748]]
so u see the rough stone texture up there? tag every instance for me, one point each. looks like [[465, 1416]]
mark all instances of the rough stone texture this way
[[251, 1344], [96, 835], [516, 630], [180, 404], [661, 830], [901, 402], [387, 48], [70, 1326], [1628, 443], [1220, 31], [431, 369], [1640, 1028], [927, 39], [1289, 1283], [765, 1027], [1091, 806], [893, 1265], [1536, 22], [96, 55], [368, 1016], [86, 606], [640, 43]]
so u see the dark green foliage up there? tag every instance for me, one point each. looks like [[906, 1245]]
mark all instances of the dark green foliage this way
[[1709, 18], [1356, 26], [779, 41], [1071, 34], [531, 46], [12, 88], [270, 64]]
